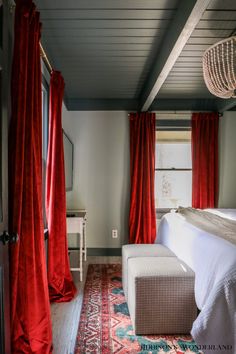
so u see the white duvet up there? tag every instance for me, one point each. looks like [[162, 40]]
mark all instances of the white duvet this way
[[213, 260]]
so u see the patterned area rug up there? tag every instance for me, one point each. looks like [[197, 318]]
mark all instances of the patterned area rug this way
[[105, 325]]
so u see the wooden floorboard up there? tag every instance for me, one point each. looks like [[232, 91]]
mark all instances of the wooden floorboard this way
[[65, 316]]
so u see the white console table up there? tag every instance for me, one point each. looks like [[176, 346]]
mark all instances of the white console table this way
[[76, 224]]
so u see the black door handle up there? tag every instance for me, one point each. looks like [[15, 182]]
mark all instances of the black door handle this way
[[6, 237]]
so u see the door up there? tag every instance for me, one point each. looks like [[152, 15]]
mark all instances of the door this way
[[4, 266], [4, 116]]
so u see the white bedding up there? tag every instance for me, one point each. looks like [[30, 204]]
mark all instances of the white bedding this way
[[213, 260], [225, 213]]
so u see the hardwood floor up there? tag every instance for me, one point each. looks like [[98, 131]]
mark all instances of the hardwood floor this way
[[65, 316]]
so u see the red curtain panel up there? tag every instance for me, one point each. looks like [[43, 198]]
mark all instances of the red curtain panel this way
[[142, 216], [30, 307], [61, 286], [205, 160]]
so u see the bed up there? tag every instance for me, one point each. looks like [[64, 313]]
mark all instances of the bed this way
[[213, 260]]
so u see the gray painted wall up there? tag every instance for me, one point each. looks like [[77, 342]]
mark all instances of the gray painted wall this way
[[227, 160], [101, 173]]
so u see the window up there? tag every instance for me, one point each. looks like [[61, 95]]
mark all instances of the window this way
[[45, 107], [173, 172], [45, 112]]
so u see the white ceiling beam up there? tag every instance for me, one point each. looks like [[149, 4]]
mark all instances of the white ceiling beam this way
[[187, 17]]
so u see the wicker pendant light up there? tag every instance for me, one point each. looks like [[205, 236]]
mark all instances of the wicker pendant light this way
[[219, 68]]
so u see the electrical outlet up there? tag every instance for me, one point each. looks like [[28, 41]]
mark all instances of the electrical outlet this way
[[114, 233]]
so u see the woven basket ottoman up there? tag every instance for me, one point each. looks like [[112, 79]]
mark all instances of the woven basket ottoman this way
[[161, 295], [140, 250]]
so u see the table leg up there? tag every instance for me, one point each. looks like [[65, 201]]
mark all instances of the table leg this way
[[85, 245], [81, 256]]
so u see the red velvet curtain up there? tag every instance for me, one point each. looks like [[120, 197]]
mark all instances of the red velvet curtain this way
[[30, 307], [142, 216], [61, 286], [205, 160]]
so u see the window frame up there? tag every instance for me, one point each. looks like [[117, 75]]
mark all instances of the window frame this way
[[171, 125], [45, 130], [45, 116]]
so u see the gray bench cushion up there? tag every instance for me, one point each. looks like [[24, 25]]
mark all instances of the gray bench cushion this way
[[161, 295], [140, 250]]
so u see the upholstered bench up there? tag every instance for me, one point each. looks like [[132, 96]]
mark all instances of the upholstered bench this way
[[161, 295], [140, 250]]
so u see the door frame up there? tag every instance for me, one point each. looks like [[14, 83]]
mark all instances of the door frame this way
[[5, 68]]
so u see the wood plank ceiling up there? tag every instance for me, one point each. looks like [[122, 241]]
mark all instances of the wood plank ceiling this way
[[135, 54]]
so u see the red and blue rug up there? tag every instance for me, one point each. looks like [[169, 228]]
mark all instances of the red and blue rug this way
[[105, 325]]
